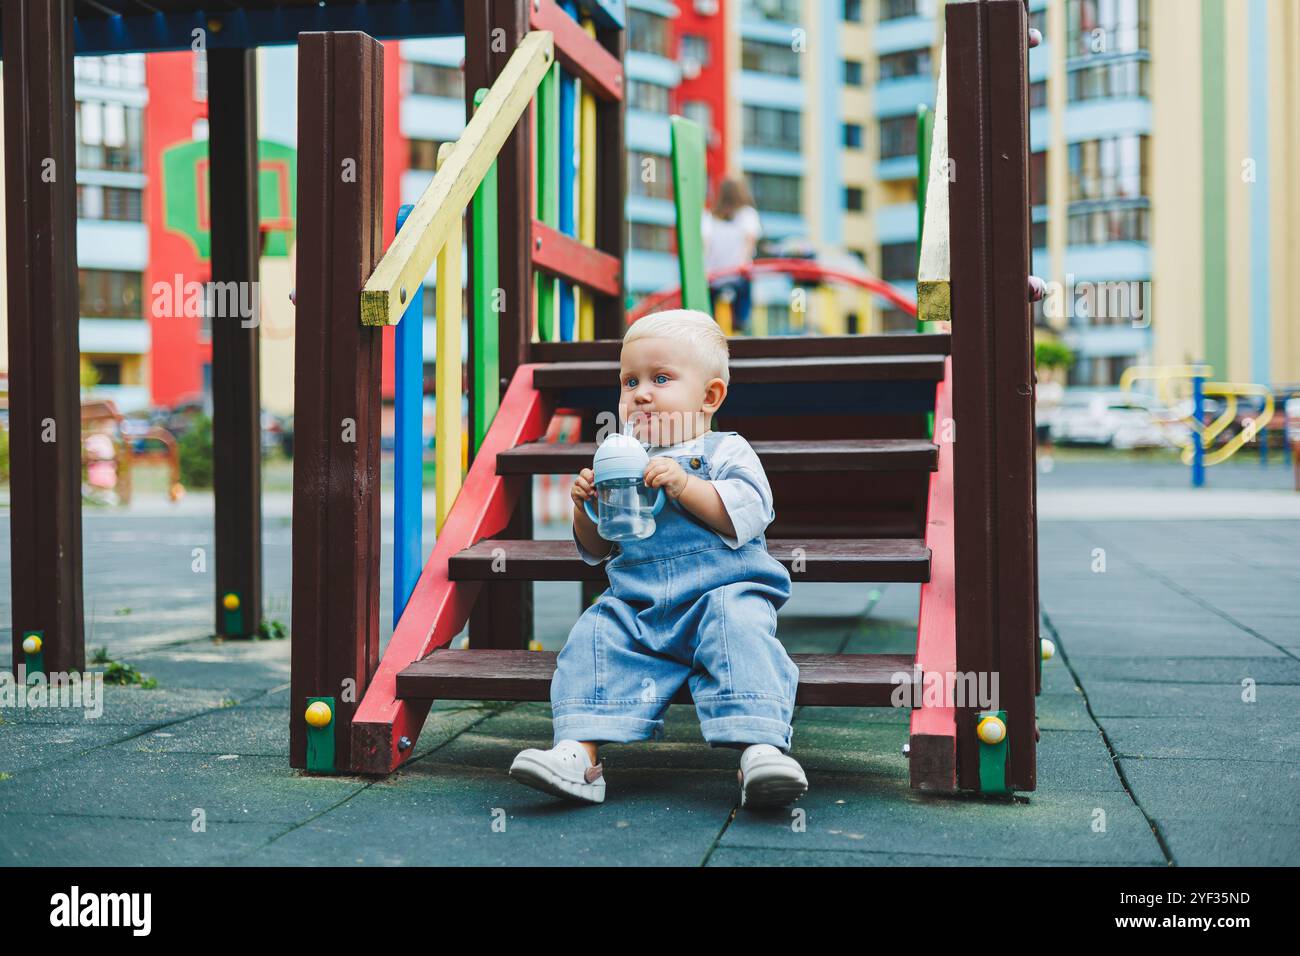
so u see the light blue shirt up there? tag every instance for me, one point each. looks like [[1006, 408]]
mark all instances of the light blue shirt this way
[[736, 472]]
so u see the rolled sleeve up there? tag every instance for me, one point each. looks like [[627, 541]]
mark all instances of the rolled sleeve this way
[[587, 555], [743, 487]]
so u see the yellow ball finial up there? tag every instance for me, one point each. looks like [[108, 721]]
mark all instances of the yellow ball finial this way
[[32, 644], [991, 730], [319, 714], [1048, 649], [230, 602]]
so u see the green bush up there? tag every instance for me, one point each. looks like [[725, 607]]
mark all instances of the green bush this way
[[195, 448], [1052, 354], [4, 456]]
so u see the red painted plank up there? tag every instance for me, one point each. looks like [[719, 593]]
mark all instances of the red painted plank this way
[[934, 729], [565, 257], [439, 607], [600, 71]]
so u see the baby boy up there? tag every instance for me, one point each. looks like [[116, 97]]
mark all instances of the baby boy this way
[[694, 603]]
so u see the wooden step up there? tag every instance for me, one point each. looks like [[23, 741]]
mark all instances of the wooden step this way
[[751, 371], [765, 346], [848, 454], [829, 680], [824, 559]]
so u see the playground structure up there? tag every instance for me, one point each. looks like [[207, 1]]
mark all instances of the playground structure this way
[[1199, 451], [545, 256]]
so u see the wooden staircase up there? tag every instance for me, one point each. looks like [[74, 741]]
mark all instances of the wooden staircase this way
[[779, 366]]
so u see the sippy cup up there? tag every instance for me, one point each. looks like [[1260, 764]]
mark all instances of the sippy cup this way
[[625, 506]]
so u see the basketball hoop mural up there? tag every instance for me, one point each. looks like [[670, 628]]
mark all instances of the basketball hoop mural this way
[[187, 200]]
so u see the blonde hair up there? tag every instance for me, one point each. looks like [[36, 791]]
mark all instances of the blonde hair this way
[[702, 337]]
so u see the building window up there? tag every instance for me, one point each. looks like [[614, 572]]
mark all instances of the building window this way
[[852, 72], [123, 70], [854, 199], [695, 50], [894, 319], [110, 294], [1104, 27], [1038, 95], [1038, 179], [778, 11], [776, 193], [898, 261], [647, 33], [778, 59], [647, 96], [768, 128], [649, 175], [897, 137], [895, 9], [109, 136], [1038, 235], [201, 76], [852, 135], [1109, 168], [905, 64], [1125, 78], [1097, 227], [430, 79], [698, 111], [650, 237], [853, 11], [111, 203], [423, 154]]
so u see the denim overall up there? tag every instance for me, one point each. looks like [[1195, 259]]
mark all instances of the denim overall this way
[[682, 606]]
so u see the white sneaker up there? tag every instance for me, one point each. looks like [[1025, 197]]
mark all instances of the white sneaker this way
[[565, 770], [769, 778]]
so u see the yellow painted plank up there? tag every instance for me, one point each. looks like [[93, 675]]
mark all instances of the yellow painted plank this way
[[437, 213], [448, 437], [933, 298], [587, 198]]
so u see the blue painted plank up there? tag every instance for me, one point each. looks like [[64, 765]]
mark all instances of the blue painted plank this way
[[408, 493]]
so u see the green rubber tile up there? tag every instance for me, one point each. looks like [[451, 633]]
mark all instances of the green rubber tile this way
[[850, 716], [234, 668], [1274, 668], [870, 748], [1214, 790], [121, 782], [800, 634], [454, 815], [1212, 842], [48, 840], [883, 637], [1068, 711], [478, 749], [768, 856], [248, 731], [847, 812], [1076, 760], [1253, 735], [126, 705], [1219, 701], [24, 747], [1128, 637]]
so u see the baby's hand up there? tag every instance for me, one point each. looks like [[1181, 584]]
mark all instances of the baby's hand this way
[[584, 487], [666, 473]]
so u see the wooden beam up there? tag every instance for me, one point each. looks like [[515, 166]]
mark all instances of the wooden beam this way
[[442, 204], [336, 540], [932, 761], [439, 607], [600, 71], [44, 361], [992, 357], [236, 391], [611, 188], [567, 258], [933, 297]]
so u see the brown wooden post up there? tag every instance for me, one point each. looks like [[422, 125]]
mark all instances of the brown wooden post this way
[[611, 189], [992, 348], [44, 360], [236, 393], [503, 615], [336, 381]]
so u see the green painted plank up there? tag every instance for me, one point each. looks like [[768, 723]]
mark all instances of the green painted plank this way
[[485, 329], [548, 191], [993, 758], [690, 180], [1214, 111], [320, 740]]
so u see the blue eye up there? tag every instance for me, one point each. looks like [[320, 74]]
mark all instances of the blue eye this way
[[630, 383], [661, 375]]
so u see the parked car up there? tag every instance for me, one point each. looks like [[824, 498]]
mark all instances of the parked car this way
[[1114, 418]]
